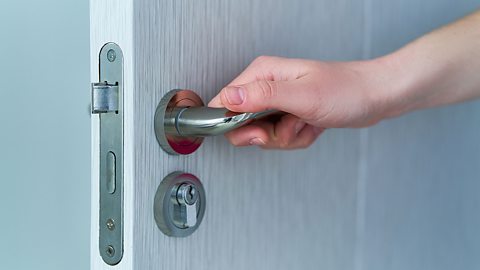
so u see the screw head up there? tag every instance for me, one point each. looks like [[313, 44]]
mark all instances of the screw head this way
[[110, 224], [110, 251], [187, 193], [111, 55]]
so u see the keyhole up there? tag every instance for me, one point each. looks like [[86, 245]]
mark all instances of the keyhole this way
[[191, 193]]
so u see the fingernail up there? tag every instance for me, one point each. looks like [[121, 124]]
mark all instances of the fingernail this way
[[256, 141], [298, 126], [235, 95]]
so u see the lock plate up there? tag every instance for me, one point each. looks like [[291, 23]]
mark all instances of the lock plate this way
[[179, 204], [107, 102]]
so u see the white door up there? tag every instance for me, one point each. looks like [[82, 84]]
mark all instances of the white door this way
[[305, 209]]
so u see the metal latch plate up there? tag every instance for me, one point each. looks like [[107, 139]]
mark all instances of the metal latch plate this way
[[107, 102]]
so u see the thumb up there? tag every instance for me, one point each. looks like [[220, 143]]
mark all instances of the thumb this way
[[260, 95]]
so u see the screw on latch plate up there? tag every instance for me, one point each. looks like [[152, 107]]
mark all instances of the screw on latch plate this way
[[179, 204], [107, 103]]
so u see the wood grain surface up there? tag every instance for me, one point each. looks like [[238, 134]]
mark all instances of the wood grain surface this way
[[335, 205]]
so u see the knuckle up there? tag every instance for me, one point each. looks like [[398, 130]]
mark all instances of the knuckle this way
[[262, 59], [268, 89], [265, 61]]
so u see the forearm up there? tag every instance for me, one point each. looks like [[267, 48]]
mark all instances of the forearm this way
[[442, 67]]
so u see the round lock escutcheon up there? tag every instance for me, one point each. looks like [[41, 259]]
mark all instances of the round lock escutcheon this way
[[179, 204]]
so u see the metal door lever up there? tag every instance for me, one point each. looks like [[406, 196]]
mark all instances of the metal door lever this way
[[205, 121], [181, 121]]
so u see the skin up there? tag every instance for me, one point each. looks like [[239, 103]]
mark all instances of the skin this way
[[440, 68]]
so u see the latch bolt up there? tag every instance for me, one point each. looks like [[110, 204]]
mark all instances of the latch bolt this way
[[104, 97]]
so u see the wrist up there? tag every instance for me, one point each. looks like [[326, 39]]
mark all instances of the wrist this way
[[391, 85]]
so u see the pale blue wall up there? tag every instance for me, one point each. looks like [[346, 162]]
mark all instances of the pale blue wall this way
[[421, 191], [44, 135]]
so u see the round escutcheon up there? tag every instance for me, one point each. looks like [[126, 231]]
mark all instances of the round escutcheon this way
[[179, 204], [174, 144]]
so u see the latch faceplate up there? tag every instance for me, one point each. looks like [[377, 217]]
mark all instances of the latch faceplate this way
[[107, 102]]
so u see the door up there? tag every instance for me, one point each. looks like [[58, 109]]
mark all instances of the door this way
[[301, 209]]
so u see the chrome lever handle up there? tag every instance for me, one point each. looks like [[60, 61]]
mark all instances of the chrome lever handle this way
[[205, 121], [182, 121]]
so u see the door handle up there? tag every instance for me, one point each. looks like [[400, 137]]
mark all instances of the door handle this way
[[182, 121], [206, 121]]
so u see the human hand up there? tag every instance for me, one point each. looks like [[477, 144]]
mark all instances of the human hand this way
[[437, 69], [315, 95]]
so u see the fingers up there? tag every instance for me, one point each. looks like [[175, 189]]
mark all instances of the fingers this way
[[289, 133], [273, 83], [257, 133], [306, 137], [296, 97], [260, 82]]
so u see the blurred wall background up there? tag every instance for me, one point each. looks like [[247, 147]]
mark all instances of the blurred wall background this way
[[418, 201], [44, 135]]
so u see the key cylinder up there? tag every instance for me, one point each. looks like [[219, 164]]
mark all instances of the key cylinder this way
[[179, 204]]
